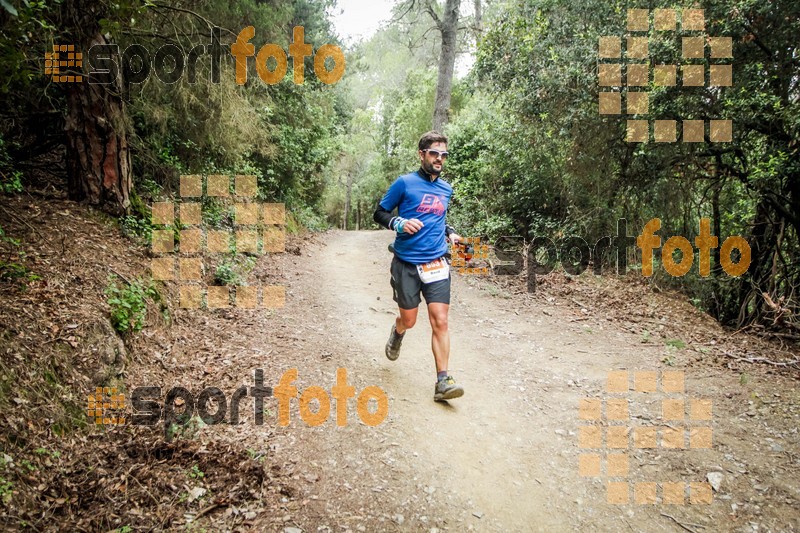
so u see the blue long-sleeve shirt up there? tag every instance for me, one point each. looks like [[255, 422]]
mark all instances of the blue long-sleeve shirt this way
[[414, 195]]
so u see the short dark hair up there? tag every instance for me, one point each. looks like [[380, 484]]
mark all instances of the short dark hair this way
[[429, 138]]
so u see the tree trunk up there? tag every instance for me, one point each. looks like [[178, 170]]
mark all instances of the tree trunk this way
[[448, 26], [98, 160], [478, 19], [763, 244], [347, 201], [716, 306], [717, 224]]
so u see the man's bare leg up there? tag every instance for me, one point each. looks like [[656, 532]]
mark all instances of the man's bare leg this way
[[446, 387], [406, 320], [440, 335]]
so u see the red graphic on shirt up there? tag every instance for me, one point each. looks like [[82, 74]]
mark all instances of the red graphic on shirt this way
[[431, 204]]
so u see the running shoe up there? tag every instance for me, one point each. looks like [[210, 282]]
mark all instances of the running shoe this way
[[393, 344], [446, 389]]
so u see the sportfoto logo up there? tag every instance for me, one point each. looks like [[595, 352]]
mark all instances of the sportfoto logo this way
[[170, 62], [58, 62], [259, 228], [700, 66], [107, 406], [575, 254], [607, 426], [299, 50], [463, 253]]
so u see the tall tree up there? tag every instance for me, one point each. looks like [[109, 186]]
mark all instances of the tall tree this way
[[448, 27], [98, 160], [576, 161]]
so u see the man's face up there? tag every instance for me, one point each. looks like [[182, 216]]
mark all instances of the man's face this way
[[433, 158]]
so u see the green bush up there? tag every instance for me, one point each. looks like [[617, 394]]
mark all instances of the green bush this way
[[11, 182], [233, 270], [128, 302], [136, 228], [216, 213], [10, 179], [302, 216], [15, 271], [226, 273], [6, 491]]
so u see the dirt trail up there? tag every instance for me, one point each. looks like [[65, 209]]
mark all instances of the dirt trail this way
[[502, 458], [505, 456], [489, 447]]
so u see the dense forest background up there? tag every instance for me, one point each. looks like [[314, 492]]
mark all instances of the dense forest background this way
[[531, 155]]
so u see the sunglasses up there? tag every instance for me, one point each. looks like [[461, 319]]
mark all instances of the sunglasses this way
[[436, 153]]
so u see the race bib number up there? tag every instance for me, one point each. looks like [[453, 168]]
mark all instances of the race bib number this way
[[434, 271]]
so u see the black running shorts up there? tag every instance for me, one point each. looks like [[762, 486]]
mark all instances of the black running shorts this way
[[406, 286]]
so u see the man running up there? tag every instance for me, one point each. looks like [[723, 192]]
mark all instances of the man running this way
[[421, 199]]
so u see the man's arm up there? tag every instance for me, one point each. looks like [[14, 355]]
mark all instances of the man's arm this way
[[383, 217], [398, 224], [451, 235], [383, 213]]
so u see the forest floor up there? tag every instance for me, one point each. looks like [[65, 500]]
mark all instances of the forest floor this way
[[505, 457]]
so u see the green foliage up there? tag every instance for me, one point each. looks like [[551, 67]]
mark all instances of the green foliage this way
[[8, 7], [195, 473], [6, 239], [675, 343], [28, 20], [305, 217], [10, 271], [13, 269], [188, 429], [6, 487], [152, 188], [128, 302], [255, 455], [135, 227], [216, 213], [226, 273], [11, 183], [234, 269], [283, 134], [44, 451], [6, 491], [535, 157], [10, 179]]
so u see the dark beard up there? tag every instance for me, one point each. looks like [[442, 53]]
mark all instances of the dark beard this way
[[427, 167]]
